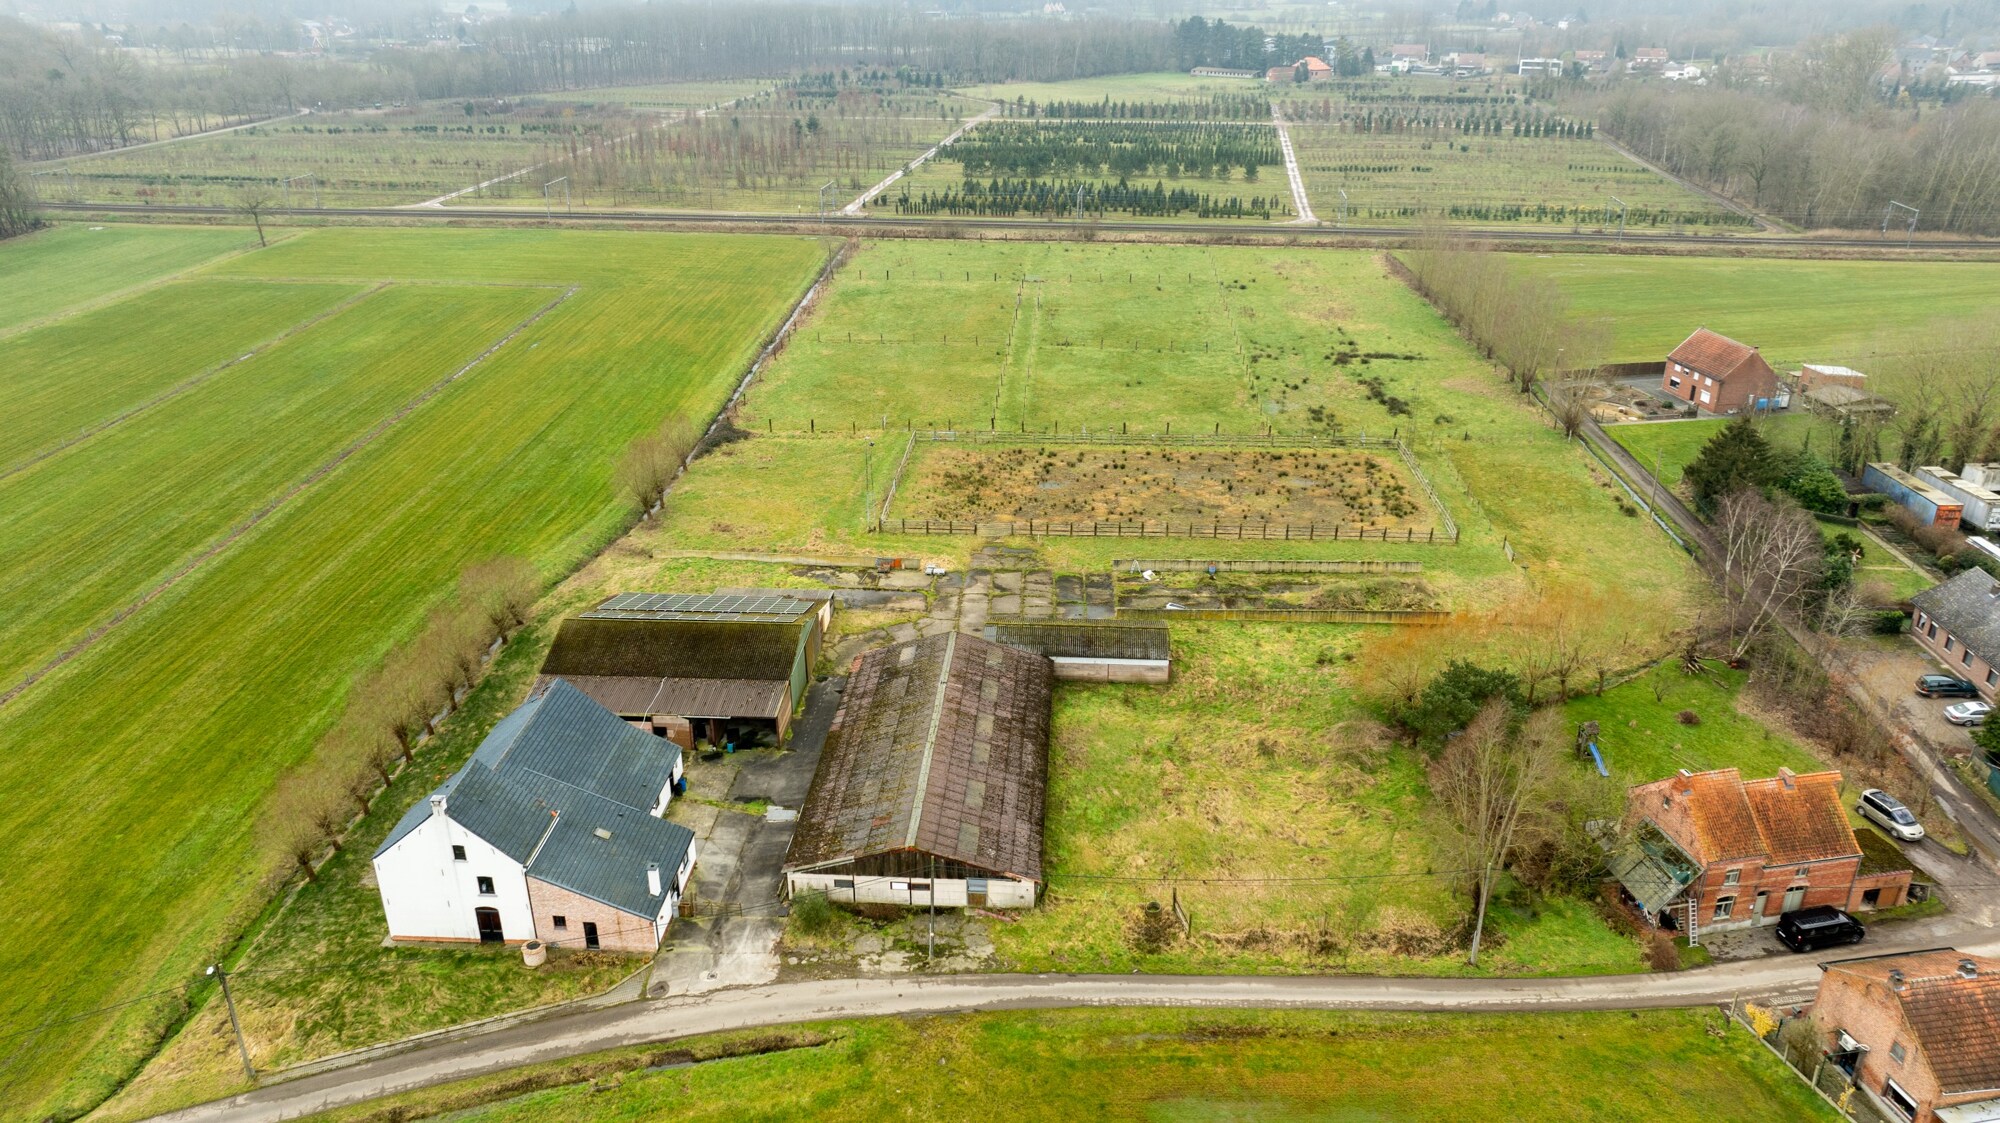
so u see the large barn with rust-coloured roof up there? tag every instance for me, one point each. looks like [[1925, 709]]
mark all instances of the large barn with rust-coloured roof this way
[[929, 789]]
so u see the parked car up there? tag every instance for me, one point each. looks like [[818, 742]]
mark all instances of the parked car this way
[[1888, 812], [1818, 927], [1967, 713], [1945, 686]]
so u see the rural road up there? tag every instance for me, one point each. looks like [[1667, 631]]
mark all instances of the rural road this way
[[657, 1020], [1301, 205], [860, 205]]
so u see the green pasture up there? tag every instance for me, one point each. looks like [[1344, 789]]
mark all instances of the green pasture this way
[[131, 353], [68, 266], [1170, 1066], [91, 530], [1668, 447], [1795, 311], [1643, 737], [164, 737]]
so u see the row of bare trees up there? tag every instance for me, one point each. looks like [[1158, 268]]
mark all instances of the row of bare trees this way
[[18, 213], [390, 712], [1523, 323]]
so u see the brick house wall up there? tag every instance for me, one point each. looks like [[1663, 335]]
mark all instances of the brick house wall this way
[[1890, 889], [1868, 1013], [1942, 644], [617, 930], [1757, 896], [1731, 396]]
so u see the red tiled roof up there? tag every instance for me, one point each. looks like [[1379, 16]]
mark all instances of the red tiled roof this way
[[1800, 817], [1314, 63], [1956, 1020], [1719, 356], [1723, 825]]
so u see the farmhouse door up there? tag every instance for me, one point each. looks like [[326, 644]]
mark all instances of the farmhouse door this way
[[1794, 897], [489, 925]]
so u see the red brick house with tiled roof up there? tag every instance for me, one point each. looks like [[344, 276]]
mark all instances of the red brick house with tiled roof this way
[[1918, 1032], [1711, 850], [1718, 375]]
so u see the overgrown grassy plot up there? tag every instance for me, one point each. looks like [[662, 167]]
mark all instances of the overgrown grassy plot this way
[[1644, 737], [69, 265], [1165, 86], [81, 373], [164, 738], [89, 531], [664, 96], [1794, 311], [771, 151], [1142, 168], [360, 158], [1674, 1066]]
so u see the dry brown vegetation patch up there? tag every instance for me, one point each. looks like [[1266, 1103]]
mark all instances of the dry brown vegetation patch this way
[[1344, 487]]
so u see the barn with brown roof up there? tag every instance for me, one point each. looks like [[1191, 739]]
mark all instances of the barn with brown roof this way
[[1718, 375], [929, 788], [1919, 1032], [1711, 850]]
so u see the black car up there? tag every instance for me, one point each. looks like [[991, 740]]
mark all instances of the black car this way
[[1945, 686], [1817, 927]]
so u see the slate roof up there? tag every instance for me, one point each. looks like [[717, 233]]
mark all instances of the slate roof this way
[[680, 697], [940, 746], [1081, 640], [1955, 1020], [547, 778], [1721, 357], [1968, 606]]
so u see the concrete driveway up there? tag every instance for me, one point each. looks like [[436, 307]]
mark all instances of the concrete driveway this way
[[739, 914]]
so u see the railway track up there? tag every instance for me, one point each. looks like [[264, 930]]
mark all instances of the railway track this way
[[958, 229]]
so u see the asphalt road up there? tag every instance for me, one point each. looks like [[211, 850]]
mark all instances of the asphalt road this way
[[658, 1020], [958, 228]]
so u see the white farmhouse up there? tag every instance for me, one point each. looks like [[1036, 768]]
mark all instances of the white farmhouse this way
[[551, 832]]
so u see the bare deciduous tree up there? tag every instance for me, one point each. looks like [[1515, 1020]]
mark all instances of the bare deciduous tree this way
[[253, 203], [651, 462], [504, 589], [1771, 558], [1571, 397], [1488, 780]]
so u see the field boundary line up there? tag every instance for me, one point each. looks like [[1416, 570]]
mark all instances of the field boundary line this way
[[859, 205], [236, 533], [193, 381], [110, 298], [175, 139], [1301, 205]]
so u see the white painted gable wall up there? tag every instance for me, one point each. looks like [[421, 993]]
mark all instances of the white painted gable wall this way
[[429, 896]]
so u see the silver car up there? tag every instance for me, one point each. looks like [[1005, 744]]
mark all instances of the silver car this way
[[1888, 812], [1968, 713]]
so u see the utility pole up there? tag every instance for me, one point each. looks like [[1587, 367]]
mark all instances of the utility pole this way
[[1621, 216], [243, 1050], [547, 210], [1342, 219]]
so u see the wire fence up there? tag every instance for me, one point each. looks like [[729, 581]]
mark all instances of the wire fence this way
[[1233, 531], [1253, 565], [1408, 616]]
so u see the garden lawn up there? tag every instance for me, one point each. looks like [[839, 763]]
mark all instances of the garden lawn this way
[[1176, 1065], [1670, 446], [164, 738], [72, 264], [131, 353], [1643, 739], [91, 530], [1793, 310], [1877, 564]]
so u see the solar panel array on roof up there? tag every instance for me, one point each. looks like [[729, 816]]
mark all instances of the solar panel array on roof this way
[[691, 606]]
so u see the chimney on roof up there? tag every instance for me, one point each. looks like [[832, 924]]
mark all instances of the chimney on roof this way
[[653, 878], [1896, 980], [437, 804], [1786, 776], [1967, 969]]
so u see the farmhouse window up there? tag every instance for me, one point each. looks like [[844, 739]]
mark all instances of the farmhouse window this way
[[1675, 383], [1899, 1099], [485, 886], [1724, 906], [1921, 618], [1949, 642], [843, 883], [458, 853], [1993, 678], [1706, 398], [590, 935], [1732, 877], [1931, 631], [560, 921], [1896, 1052], [1965, 660]]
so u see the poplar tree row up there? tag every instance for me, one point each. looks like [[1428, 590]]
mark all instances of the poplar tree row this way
[[1094, 148], [1216, 107], [1010, 197]]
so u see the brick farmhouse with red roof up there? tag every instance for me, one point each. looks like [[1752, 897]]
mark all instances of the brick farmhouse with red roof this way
[[1711, 850], [1718, 375], [1918, 1032]]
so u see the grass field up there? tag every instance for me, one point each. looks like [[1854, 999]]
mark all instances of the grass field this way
[[164, 737], [1177, 1066], [1794, 311], [69, 266], [1643, 739], [663, 96]]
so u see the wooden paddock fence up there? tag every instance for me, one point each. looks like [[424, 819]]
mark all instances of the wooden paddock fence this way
[[1401, 616], [1234, 531], [1253, 565]]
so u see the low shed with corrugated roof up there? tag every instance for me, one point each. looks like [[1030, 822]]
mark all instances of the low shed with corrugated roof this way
[[929, 789], [1094, 652]]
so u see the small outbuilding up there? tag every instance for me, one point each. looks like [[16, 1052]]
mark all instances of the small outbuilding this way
[[930, 785], [1094, 651], [731, 666]]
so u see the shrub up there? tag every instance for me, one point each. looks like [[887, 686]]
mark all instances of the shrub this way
[[1688, 717], [813, 913], [1888, 624]]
